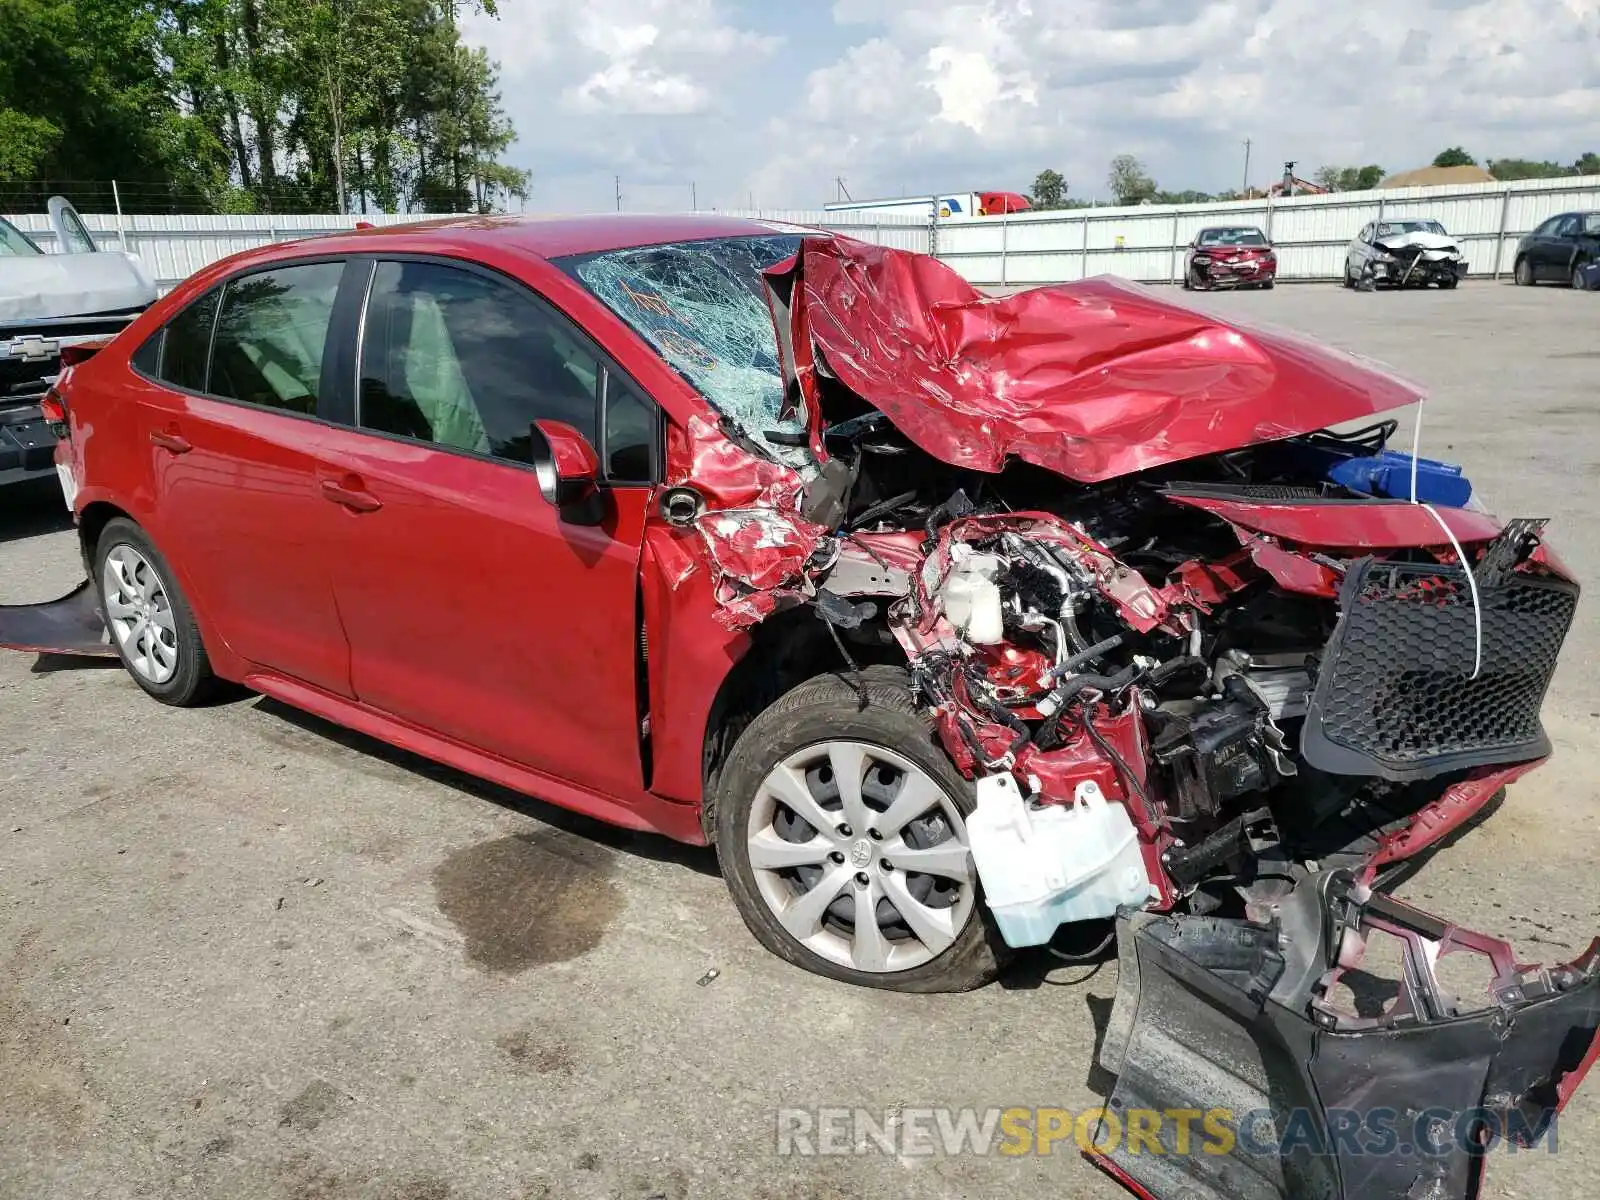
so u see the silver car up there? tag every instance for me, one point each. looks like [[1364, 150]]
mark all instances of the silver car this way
[[50, 303], [1409, 251]]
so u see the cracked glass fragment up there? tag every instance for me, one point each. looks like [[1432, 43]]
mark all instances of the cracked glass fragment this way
[[703, 306]]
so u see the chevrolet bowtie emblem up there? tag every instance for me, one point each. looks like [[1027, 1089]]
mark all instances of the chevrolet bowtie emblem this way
[[33, 348]]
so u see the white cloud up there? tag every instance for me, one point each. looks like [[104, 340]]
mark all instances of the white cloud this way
[[918, 94]]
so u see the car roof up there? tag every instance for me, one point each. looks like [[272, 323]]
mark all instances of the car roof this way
[[555, 236], [485, 238]]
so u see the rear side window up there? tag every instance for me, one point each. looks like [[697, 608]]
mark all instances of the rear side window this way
[[462, 360], [270, 336], [187, 344]]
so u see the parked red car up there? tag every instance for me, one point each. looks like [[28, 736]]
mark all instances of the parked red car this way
[[948, 619], [1230, 256]]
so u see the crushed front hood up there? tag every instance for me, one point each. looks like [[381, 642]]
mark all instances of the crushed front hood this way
[[1421, 239], [1091, 380]]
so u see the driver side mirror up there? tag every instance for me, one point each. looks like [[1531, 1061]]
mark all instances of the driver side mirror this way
[[568, 471]]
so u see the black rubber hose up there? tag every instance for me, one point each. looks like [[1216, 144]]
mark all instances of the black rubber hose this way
[[1088, 655]]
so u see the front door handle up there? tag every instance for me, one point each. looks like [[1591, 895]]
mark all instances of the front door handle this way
[[351, 494], [171, 439]]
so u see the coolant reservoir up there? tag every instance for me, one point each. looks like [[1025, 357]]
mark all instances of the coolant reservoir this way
[[970, 597], [1047, 866]]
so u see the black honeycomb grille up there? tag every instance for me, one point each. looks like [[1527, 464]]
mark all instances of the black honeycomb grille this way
[[1395, 694]]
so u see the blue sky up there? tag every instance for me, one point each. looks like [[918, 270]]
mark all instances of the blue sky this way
[[772, 100]]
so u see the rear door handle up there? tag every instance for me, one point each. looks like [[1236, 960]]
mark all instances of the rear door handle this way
[[351, 494], [171, 440]]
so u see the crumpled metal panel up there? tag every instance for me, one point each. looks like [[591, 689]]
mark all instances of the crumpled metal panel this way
[[1093, 380]]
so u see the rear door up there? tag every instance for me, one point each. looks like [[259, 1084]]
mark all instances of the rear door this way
[[473, 610], [231, 433]]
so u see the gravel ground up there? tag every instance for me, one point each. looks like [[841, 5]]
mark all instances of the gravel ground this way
[[243, 953]]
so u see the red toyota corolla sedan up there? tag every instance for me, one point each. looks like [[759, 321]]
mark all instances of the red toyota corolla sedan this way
[[949, 619]]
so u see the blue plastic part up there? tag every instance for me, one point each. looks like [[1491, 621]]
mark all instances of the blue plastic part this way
[[1388, 473]]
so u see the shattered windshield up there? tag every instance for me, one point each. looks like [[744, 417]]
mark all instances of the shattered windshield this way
[[1232, 237], [703, 306], [14, 243]]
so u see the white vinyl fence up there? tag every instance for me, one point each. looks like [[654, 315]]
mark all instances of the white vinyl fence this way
[[1310, 232], [1143, 243]]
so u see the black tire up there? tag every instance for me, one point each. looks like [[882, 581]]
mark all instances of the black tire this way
[[192, 681], [1522, 273], [1577, 277], [1268, 286], [827, 708], [1447, 284], [1348, 280]]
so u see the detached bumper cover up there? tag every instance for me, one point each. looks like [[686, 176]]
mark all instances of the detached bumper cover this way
[[1230, 1025], [73, 624]]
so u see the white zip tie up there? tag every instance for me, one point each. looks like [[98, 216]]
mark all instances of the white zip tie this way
[[1416, 446], [1472, 583], [1461, 554]]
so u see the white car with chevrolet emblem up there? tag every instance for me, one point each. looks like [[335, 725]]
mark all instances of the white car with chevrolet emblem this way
[[49, 303]]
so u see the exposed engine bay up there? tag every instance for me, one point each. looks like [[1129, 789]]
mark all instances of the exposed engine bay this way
[[1252, 701]]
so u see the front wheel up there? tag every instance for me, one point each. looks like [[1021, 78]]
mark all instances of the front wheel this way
[[841, 831], [1522, 273], [1349, 279], [1447, 284], [150, 621]]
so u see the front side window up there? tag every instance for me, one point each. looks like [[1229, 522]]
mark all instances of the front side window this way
[[703, 306], [270, 336], [459, 359]]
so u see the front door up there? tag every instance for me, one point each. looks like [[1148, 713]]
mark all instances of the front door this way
[[472, 609], [231, 433]]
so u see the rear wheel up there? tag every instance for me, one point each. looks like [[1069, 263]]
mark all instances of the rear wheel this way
[[841, 833], [1577, 277], [1522, 273], [150, 621]]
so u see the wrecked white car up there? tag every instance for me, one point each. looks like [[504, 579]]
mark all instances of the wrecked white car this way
[[1404, 253]]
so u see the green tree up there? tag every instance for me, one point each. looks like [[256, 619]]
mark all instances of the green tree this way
[[1349, 179], [1525, 168], [1128, 180], [1455, 156], [1049, 189], [1588, 163], [242, 105]]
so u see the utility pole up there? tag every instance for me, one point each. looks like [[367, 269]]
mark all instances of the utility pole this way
[[844, 193], [1245, 188], [618, 180], [694, 200]]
